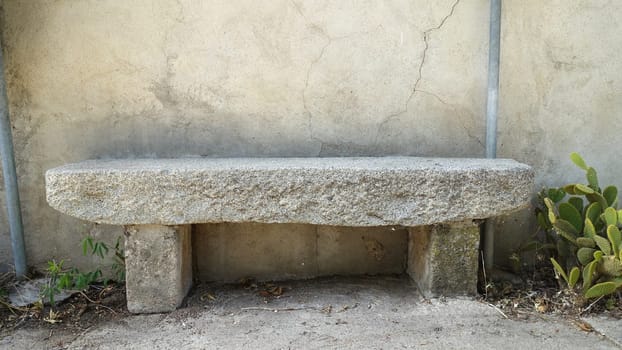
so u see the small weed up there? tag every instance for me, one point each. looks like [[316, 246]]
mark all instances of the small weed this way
[[92, 247], [54, 272], [52, 318], [61, 278], [98, 248], [118, 265]]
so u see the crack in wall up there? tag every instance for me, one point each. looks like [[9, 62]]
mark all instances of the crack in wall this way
[[308, 21], [426, 36], [415, 89], [304, 93], [466, 129], [329, 40], [163, 88], [437, 97]]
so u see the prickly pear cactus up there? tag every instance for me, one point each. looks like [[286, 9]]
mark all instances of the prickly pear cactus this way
[[587, 225]]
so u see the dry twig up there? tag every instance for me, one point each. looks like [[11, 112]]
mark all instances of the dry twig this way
[[258, 308]]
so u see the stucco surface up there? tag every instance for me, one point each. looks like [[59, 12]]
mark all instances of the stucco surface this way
[[113, 79], [230, 252]]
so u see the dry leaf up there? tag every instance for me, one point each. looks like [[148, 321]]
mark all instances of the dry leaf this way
[[276, 291], [271, 291], [207, 296], [586, 327], [542, 308], [248, 283], [348, 307], [52, 318]]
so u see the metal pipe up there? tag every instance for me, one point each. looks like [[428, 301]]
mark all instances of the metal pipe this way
[[492, 103], [10, 180]]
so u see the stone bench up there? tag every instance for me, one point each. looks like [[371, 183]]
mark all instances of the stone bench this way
[[440, 201]]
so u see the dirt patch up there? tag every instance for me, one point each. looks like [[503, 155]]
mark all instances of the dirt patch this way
[[539, 292], [81, 311]]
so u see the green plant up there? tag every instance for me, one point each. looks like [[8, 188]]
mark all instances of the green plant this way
[[61, 278], [89, 245], [92, 247], [52, 288], [66, 279], [543, 243], [587, 237], [118, 264]]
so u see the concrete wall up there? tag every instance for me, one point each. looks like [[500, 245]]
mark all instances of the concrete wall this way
[[97, 79], [229, 252]]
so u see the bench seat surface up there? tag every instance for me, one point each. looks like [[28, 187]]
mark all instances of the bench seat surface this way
[[366, 191]]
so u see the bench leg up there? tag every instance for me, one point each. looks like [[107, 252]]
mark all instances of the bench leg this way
[[158, 265], [443, 259]]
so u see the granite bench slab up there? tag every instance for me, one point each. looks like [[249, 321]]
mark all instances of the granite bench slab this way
[[157, 199]]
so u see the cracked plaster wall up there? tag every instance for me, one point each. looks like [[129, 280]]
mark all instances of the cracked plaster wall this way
[[109, 79]]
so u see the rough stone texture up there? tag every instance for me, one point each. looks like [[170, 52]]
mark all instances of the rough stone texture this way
[[405, 191], [442, 259], [158, 266]]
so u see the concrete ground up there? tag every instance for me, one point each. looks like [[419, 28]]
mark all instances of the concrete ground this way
[[327, 313]]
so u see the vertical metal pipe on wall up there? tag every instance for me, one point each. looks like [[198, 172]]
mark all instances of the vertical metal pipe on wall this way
[[10, 179], [492, 103]]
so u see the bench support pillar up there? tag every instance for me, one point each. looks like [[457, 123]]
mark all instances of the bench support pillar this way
[[443, 258], [158, 265]]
